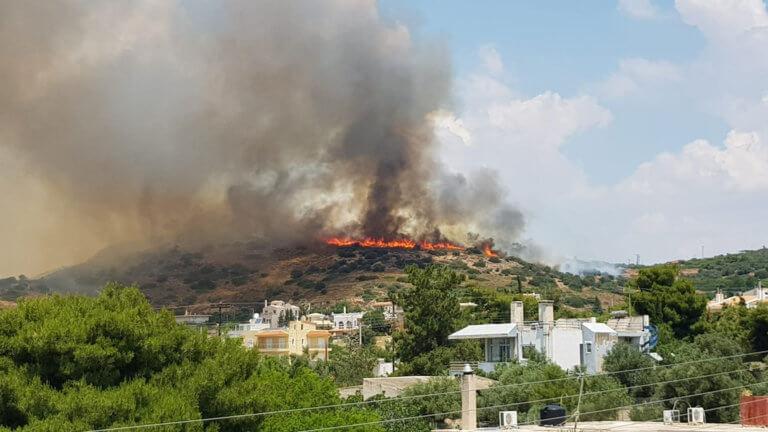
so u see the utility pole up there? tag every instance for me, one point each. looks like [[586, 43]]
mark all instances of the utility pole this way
[[219, 329], [578, 404]]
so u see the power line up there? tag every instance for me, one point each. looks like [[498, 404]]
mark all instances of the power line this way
[[653, 402], [706, 410], [506, 405], [340, 406]]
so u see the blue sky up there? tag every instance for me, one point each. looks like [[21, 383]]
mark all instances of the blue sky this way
[[619, 127], [568, 46]]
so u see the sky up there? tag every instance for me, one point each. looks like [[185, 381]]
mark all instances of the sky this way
[[624, 128], [619, 128]]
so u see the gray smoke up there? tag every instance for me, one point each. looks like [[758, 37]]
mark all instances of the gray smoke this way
[[156, 121]]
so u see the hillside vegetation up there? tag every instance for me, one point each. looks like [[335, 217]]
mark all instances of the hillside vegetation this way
[[732, 273], [323, 275]]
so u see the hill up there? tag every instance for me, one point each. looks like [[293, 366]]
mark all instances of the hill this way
[[731, 273], [322, 274]]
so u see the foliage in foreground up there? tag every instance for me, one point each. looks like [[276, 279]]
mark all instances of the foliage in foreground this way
[[77, 363]]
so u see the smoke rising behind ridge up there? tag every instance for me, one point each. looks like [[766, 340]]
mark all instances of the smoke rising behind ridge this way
[[153, 121]]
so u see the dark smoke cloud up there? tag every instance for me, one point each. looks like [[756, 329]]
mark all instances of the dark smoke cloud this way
[[157, 121]]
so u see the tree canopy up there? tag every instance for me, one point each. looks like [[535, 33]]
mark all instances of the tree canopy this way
[[77, 363], [668, 299], [431, 308]]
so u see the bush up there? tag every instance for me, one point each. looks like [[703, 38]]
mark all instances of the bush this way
[[378, 267]]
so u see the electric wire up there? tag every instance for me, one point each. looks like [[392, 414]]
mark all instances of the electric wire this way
[[520, 424], [401, 398]]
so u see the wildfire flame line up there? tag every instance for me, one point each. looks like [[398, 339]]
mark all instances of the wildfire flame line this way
[[393, 244]]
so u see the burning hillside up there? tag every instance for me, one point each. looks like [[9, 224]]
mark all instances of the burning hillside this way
[[248, 272], [486, 246]]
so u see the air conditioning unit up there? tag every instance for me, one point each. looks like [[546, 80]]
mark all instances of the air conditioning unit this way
[[696, 415], [507, 420], [671, 416]]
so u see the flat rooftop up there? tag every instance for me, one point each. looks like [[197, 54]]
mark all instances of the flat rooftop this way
[[630, 426]]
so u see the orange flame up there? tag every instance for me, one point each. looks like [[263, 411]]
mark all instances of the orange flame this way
[[393, 244], [439, 246], [487, 251]]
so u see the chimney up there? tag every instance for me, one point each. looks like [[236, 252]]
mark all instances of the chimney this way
[[546, 312], [516, 315], [468, 400]]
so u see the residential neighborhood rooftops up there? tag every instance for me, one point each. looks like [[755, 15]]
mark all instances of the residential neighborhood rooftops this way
[[485, 331]]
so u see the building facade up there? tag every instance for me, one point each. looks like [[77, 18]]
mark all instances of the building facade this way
[[276, 309], [299, 338], [347, 320], [569, 343], [254, 324], [749, 299]]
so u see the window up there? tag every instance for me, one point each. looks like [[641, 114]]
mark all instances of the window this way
[[498, 350], [588, 347]]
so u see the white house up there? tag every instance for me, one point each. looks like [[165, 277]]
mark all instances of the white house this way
[[192, 318], [254, 324], [751, 299], [569, 343], [277, 308], [347, 320], [502, 342], [597, 340]]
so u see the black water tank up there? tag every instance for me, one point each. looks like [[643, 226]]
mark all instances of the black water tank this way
[[552, 415]]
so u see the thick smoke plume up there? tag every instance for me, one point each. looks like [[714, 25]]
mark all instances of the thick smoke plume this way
[[156, 121]]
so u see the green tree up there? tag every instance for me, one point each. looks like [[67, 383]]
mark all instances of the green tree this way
[[758, 328], [668, 299], [348, 366], [673, 384], [431, 307], [374, 324], [77, 363], [527, 388], [626, 357]]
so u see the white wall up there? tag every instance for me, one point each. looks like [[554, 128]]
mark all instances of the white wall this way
[[593, 362], [565, 347]]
